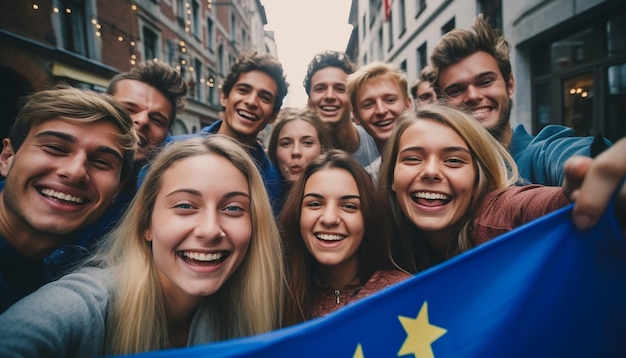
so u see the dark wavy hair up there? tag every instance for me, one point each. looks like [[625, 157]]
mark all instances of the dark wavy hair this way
[[302, 266], [258, 62], [326, 59]]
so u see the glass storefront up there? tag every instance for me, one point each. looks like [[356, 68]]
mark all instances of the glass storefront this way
[[579, 78]]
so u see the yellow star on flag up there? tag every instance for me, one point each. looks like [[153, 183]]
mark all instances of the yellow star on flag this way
[[420, 334], [359, 352]]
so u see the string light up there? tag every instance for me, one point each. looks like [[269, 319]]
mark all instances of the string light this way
[[123, 37]]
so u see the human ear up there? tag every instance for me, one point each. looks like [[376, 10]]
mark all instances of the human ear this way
[[6, 157], [510, 86], [148, 235]]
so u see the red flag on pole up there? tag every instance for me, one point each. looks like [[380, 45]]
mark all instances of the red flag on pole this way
[[387, 9]]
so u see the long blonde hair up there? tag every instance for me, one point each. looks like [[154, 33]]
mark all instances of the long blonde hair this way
[[495, 169], [250, 302]]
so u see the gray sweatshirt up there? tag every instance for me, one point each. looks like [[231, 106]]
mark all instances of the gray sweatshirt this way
[[66, 318]]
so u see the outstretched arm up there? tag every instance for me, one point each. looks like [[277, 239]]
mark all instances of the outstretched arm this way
[[592, 182]]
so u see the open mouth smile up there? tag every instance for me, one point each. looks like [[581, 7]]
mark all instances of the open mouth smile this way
[[204, 258], [60, 196]]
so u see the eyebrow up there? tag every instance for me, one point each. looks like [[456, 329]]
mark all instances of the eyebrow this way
[[446, 149], [72, 140], [199, 193], [320, 196]]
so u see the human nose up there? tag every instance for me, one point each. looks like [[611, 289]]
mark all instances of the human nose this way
[[296, 151], [74, 168], [208, 227], [380, 107], [431, 170], [330, 93], [472, 94], [251, 99], [329, 216], [140, 120]]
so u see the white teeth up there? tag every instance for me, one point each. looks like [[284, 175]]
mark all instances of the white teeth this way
[[430, 196], [329, 108], [247, 115], [329, 237], [61, 196], [200, 256], [384, 123], [480, 110]]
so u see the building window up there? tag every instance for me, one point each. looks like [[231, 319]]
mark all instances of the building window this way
[[403, 66], [233, 28], [150, 43], [210, 35], [422, 57], [616, 101], [73, 26], [364, 26], [210, 86], [420, 6], [402, 17], [220, 59], [181, 13], [195, 18], [492, 11], [579, 78], [374, 9], [182, 63], [449, 26], [380, 44], [197, 67], [390, 29]]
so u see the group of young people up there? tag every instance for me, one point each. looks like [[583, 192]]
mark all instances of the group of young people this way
[[216, 238]]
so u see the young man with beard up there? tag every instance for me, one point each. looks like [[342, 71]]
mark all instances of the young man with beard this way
[[64, 161], [152, 92], [474, 73], [378, 94], [325, 84]]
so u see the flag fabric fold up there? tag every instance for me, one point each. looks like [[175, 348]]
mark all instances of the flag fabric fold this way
[[542, 290]]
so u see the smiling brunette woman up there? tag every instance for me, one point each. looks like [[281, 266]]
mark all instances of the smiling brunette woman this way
[[193, 261], [337, 242]]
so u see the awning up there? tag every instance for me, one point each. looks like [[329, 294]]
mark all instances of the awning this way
[[62, 70]]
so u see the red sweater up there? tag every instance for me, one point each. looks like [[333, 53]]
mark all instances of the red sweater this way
[[506, 209], [327, 299]]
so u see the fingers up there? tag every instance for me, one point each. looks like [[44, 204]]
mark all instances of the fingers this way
[[575, 170], [601, 178]]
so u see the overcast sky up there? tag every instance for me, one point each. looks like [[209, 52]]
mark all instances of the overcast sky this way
[[303, 28]]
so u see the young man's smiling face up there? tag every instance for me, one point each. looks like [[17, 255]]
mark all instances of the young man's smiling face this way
[[379, 103], [328, 95], [62, 178], [249, 106], [475, 84]]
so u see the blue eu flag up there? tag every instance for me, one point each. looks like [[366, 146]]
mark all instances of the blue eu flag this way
[[542, 290]]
